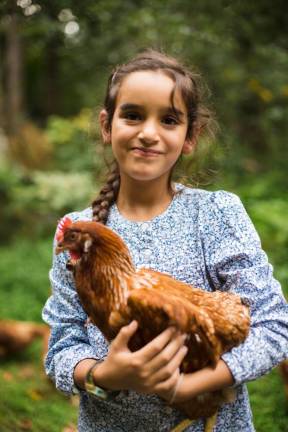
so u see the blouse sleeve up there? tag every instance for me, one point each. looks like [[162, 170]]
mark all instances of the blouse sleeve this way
[[236, 262], [69, 342]]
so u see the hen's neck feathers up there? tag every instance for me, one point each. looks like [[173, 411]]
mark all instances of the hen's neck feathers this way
[[112, 267], [107, 266]]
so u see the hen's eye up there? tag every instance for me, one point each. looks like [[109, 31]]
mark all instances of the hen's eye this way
[[72, 236]]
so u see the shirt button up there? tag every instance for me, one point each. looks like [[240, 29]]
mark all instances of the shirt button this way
[[145, 227], [146, 253]]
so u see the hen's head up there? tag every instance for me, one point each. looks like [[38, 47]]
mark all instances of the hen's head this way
[[87, 238]]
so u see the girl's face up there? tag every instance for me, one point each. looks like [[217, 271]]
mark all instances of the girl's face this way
[[147, 138]]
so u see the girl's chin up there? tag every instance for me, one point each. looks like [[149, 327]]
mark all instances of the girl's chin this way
[[144, 175]]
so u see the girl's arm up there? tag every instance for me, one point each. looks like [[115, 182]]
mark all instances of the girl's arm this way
[[197, 383], [69, 342], [235, 262]]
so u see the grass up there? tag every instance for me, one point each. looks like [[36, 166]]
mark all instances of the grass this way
[[28, 401], [269, 406]]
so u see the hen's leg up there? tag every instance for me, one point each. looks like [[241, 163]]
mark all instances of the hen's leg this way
[[182, 426], [210, 423]]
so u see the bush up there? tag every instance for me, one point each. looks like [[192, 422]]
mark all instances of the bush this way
[[76, 143], [36, 201], [32, 200]]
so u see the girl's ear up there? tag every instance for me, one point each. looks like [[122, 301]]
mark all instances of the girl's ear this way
[[105, 130], [188, 146], [191, 143]]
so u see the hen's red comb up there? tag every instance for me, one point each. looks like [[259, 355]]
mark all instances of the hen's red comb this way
[[64, 223]]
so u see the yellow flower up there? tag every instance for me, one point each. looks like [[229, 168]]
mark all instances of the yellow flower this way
[[82, 120], [265, 94], [284, 90]]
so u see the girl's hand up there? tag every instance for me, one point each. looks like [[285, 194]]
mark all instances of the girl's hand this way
[[152, 369]]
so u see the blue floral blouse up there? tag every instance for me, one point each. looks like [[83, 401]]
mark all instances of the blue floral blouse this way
[[205, 239]]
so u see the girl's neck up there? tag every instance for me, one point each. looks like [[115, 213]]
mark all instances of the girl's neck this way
[[142, 201]]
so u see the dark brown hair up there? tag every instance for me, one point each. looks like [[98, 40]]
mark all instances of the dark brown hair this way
[[190, 86]]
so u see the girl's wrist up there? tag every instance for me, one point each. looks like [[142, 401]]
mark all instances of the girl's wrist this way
[[102, 378], [81, 370], [185, 389], [204, 380], [99, 376]]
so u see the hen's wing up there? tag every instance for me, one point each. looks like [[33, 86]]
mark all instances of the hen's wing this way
[[229, 315], [156, 309], [214, 321]]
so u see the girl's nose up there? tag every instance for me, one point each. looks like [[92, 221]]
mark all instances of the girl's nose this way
[[149, 133]]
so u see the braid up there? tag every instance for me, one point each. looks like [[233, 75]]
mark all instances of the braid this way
[[107, 196]]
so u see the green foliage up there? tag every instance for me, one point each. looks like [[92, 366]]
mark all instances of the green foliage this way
[[38, 198], [52, 193], [35, 201], [24, 279], [269, 405], [8, 180], [75, 142], [241, 47]]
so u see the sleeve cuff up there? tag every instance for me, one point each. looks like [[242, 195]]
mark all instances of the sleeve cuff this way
[[234, 367], [64, 376]]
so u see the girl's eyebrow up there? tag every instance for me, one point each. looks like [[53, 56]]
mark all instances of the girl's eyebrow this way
[[129, 106], [168, 110], [174, 111]]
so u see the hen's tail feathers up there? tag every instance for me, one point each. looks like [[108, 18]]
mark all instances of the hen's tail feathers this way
[[283, 367]]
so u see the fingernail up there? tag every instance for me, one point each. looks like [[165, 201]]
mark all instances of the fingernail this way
[[185, 349]]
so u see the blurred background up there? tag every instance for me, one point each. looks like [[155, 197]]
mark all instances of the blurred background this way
[[55, 60]]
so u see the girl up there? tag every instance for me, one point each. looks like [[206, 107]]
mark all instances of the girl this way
[[153, 114]]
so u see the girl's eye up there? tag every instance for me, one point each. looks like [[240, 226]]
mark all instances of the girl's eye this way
[[170, 120], [133, 116]]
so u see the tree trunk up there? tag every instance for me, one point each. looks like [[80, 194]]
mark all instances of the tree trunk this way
[[51, 90], [13, 77]]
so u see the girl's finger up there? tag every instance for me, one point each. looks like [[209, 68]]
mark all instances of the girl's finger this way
[[169, 369], [167, 354], [125, 334], [166, 387], [149, 351]]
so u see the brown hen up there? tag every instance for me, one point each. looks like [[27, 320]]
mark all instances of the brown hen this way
[[113, 293], [15, 336]]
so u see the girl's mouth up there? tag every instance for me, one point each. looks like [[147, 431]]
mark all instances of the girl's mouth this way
[[146, 152]]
